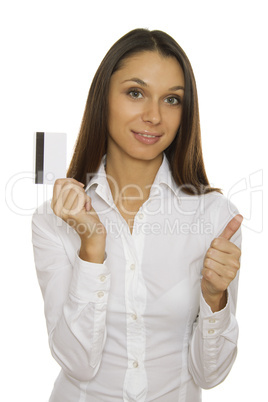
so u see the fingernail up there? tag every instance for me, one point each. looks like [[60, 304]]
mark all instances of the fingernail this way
[[239, 218]]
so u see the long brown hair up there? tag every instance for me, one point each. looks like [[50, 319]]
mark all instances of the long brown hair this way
[[185, 152]]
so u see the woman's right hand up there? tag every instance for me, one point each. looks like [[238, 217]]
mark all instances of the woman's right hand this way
[[71, 203]]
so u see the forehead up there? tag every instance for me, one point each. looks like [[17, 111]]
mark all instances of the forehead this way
[[151, 67]]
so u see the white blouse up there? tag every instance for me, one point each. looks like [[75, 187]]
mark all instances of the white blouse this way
[[136, 328]]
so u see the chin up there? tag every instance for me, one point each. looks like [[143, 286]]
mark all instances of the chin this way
[[146, 156]]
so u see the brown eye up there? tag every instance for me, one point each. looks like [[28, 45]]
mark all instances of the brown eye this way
[[173, 100], [135, 94]]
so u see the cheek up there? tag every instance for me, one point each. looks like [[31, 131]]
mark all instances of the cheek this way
[[114, 118], [121, 116], [173, 121]]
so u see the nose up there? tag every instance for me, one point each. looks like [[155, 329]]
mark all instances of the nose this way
[[151, 112]]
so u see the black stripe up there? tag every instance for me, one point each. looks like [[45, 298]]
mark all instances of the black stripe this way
[[39, 158]]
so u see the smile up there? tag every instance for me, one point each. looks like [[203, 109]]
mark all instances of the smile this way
[[146, 133], [146, 137]]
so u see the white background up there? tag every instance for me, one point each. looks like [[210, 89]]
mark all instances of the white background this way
[[49, 53]]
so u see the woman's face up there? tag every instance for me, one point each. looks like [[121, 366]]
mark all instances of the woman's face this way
[[145, 106]]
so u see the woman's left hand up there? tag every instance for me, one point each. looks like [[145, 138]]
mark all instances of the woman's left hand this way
[[221, 264]]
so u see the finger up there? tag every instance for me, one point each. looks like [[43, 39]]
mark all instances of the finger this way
[[88, 204], [213, 265], [82, 201], [69, 193], [219, 284], [71, 203], [67, 188], [59, 184], [74, 181], [223, 258], [78, 204], [225, 246], [232, 227], [227, 273], [56, 191]]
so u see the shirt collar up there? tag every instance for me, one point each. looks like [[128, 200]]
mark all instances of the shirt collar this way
[[163, 177], [99, 178]]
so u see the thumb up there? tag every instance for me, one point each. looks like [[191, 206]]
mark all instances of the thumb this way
[[232, 227]]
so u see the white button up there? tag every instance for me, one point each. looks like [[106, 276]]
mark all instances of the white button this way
[[135, 364], [212, 321], [100, 294], [133, 316], [140, 216], [211, 331], [132, 266], [102, 278]]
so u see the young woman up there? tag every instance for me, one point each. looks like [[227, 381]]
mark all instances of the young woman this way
[[137, 256]]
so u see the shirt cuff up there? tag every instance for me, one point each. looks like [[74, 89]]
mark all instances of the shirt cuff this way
[[214, 324], [90, 281]]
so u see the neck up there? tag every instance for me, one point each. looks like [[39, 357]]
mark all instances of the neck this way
[[130, 178]]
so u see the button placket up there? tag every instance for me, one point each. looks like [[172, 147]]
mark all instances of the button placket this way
[[212, 320], [134, 326], [135, 300], [135, 364], [102, 278]]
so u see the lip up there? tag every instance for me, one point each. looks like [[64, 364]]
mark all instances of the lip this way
[[141, 137], [146, 132]]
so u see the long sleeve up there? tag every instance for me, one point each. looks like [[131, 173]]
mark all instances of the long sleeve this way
[[213, 346], [75, 296]]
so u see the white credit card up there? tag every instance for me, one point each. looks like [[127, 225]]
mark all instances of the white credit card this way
[[49, 157]]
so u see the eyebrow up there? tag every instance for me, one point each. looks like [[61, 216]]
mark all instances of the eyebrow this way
[[143, 84]]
